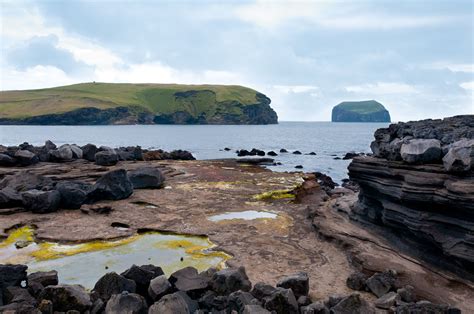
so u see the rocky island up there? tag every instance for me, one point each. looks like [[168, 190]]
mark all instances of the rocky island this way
[[360, 111], [106, 103]]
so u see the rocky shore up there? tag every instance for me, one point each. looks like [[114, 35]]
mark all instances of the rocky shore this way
[[419, 185]]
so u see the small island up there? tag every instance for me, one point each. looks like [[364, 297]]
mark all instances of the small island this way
[[360, 111], [107, 103]]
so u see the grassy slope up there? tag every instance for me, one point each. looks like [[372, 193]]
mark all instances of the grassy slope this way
[[362, 107], [157, 98]]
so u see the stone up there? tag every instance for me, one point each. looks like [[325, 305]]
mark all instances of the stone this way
[[407, 294], [63, 153], [283, 150], [381, 283], [142, 278], [129, 303], [352, 304], [67, 297], [350, 155], [460, 157], [239, 299], [18, 295], [159, 287], [98, 306], [6, 161], [113, 283], [261, 290], [176, 303], [156, 270], [76, 151], [297, 152], [89, 151], [189, 280], [421, 151], [387, 301], [26, 158], [45, 278], [35, 288], [303, 300], [41, 202], [114, 185], [130, 153], [299, 167], [229, 280], [146, 178], [254, 309], [356, 281], [106, 158], [48, 145], [426, 307], [272, 153], [181, 155], [10, 198], [256, 161], [298, 283], [24, 181], [315, 308], [211, 301], [73, 193], [45, 307], [282, 301]]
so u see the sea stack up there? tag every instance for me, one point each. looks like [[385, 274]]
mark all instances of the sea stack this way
[[360, 111]]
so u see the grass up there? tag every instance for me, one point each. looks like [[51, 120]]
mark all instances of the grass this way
[[155, 98], [362, 107]]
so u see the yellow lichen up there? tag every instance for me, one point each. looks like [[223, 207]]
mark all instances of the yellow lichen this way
[[274, 195], [19, 234]]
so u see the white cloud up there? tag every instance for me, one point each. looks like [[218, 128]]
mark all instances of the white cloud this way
[[454, 67], [286, 89], [382, 88], [468, 86], [34, 77]]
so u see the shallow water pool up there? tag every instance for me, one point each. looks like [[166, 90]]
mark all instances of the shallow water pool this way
[[245, 215]]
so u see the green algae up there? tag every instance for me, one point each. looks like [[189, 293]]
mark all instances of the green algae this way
[[274, 195]]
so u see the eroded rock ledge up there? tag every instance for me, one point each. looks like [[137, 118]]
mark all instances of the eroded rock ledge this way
[[420, 185]]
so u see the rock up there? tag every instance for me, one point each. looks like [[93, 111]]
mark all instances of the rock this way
[[213, 302], [283, 150], [239, 299], [126, 303], [41, 202], [272, 153], [18, 295], [140, 276], [22, 307], [63, 153], [45, 307], [303, 300], [159, 287], [89, 151], [298, 283], [67, 297], [229, 280], [25, 181], [407, 294], [325, 181], [227, 149], [352, 304], [297, 152], [254, 309], [381, 283], [421, 151], [130, 153], [387, 300], [176, 303], [315, 308], [256, 161], [112, 283], [312, 154], [282, 301], [189, 280], [98, 306], [10, 198], [261, 290], [356, 281], [76, 151], [106, 158], [6, 161], [460, 157], [426, 307], [156, 270], [351, 155], [333, 300], [35, 288], [45, 278], [26, 158], [146, 178], [181, 155], [114, 185], [48, 145], [73, 193], [299, 167]]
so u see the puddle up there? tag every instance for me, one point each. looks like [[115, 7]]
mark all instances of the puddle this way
[[85, 263], [245, 215]]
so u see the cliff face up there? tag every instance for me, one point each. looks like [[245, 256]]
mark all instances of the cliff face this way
[[360, 111], [419, 184], [102, 103]]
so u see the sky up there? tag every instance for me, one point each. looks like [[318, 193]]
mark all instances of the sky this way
[[415, 57]]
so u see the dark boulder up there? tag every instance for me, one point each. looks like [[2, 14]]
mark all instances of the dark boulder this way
[[73, 193], [63, 153], [10, 198], [254, 309], [181, 155], [156, 270], [229, 280], [256, 161], [140, 276], [283, 150], [18, 295], [460, 157], [6, 160], [272, 153], [388, 300], [299, 167], [129, 303], [76, 151], [41, 202], [113, 283], [45, 278], [114, 185], [26, 158], [381, 283], [146, 178], [24, 181], [190, 281], [159, 287], [67, 297], [239, 299], [213, 302], [89, 151], [130, 153], [297, 152], [407, 294], [106, 158], [11, 276], [351, 155], [326, 181], [420, 151], [315, 308], [426, 307], [176, 303], [282, 301], [298, 283], [261, 290], [356, 281], [352, 304]]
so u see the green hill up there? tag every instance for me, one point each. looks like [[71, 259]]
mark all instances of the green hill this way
[[360, 111], [107, 103]]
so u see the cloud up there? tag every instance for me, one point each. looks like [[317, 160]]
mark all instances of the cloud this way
[[468, 86], [38, 76], [453, 67], [382, 88], [286, 89]]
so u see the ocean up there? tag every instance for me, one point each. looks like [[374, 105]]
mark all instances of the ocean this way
[[328, 140]]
